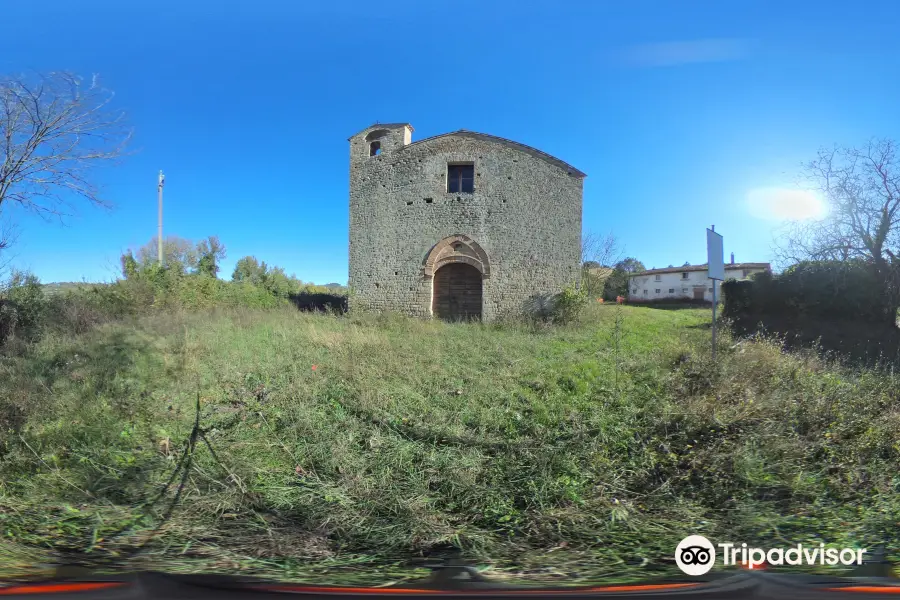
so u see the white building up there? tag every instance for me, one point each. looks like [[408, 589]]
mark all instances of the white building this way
[[689, 281]]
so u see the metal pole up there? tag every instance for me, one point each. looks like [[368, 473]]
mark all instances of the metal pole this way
[[159, 239], [714, 322], [713, 228]]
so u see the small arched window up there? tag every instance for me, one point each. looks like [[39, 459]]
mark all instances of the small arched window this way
[[375, 148]]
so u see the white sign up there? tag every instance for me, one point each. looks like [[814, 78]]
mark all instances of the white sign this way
[[696, 555], [715, 256]]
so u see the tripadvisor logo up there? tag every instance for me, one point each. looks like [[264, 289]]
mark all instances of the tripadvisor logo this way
[[696, 555]]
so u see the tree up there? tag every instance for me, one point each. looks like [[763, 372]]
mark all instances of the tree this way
[[179, 254], [210, 251], [861, 189], [598, 253], [630, 265], [129, 265], [54, 130], [278, 283], [617, 282], [604, 250], [22, 304], [272, 279], [249, 270]]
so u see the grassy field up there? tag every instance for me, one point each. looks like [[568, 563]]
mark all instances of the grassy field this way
[[348, 447]]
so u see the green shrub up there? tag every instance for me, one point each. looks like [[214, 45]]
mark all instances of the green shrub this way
[[278, 283], [593, 279], [823, 289], [77, 311], [197, 291], [22, 306], [129, 265], [186, 280], [247, 295], [249, 270], [568, 304], [738, 298], [210, 252]]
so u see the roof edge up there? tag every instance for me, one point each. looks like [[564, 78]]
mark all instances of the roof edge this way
[[523, 147], [703, 267], [382, 126]]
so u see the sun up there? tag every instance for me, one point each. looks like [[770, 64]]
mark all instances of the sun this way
[[785, 204]]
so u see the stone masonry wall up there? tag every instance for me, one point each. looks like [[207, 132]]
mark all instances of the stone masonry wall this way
[[525, 213]]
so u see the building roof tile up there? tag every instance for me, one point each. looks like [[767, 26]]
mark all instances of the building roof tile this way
[[703, 267]]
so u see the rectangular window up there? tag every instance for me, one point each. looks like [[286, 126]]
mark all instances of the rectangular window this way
[[684, 290], [645, 292], [658, 277], [710, 290], [460, 179], [671, 290], [657, 290], [684, 275]]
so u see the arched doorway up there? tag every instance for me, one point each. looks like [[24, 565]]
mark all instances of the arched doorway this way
[[456, 292], [457, 265]]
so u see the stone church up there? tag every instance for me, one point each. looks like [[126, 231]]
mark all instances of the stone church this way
[[461, 225]]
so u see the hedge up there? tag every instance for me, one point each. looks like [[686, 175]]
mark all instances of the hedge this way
[[823, 289]]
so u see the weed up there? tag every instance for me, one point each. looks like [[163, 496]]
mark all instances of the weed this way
[[410, 437]]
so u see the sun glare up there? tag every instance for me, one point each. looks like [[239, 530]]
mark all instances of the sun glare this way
[[783, 204]]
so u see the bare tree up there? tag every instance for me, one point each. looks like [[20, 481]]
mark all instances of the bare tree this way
[[8, 236], [861, 188], [54, 129], [599, 253], [605, 250]]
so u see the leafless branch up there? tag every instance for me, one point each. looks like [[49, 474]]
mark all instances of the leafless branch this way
[[606, 250], [54, 130], [9, 234], [861, 187]]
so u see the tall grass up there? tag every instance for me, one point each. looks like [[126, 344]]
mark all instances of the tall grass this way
[[367, 441]]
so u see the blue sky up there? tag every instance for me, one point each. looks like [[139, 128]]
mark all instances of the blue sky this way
[[675, 110]]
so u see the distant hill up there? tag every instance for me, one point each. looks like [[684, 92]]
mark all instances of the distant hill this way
[[334, 286]]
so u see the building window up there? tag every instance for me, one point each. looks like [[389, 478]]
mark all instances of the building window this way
[[645, 292], [460, 179], [658, 277], [684, 275], [710, 290], [684, 290], [375, 148], [671, 290]]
